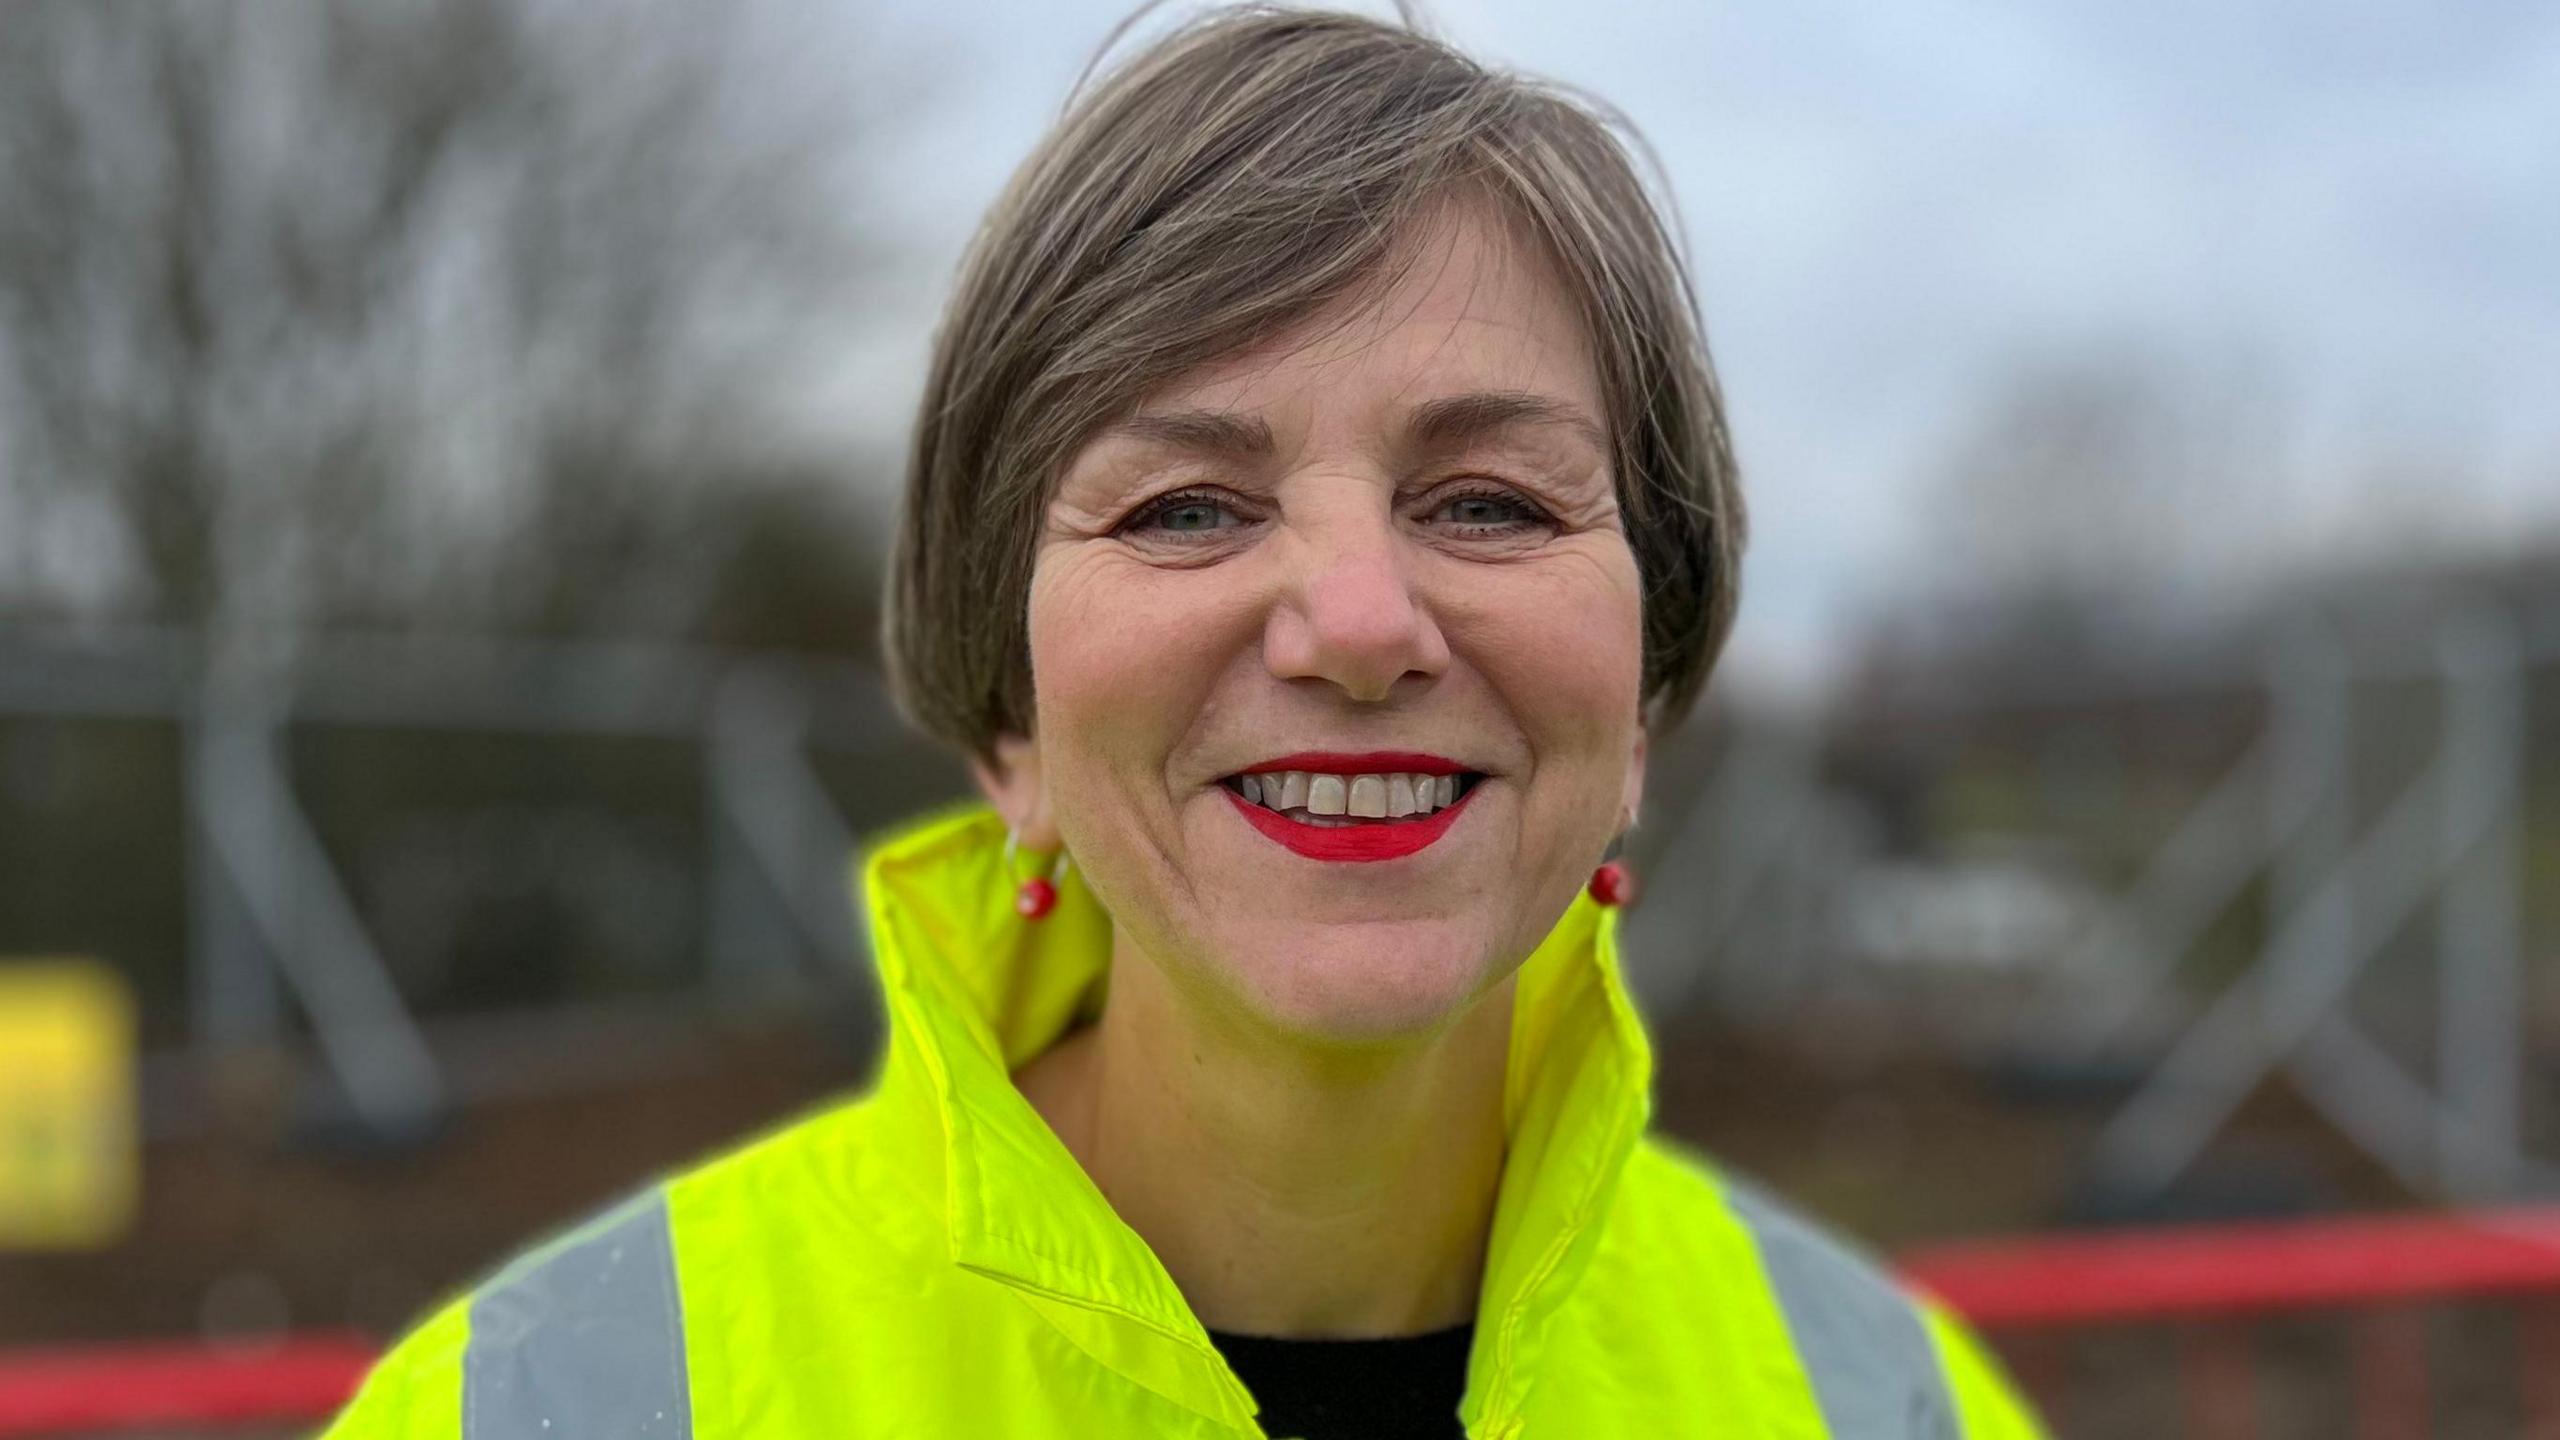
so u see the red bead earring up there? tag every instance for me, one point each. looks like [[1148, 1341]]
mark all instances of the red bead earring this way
[[1614, 884], [1034, 898]]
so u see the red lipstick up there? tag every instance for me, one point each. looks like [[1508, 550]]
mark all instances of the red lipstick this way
[[1373, 840]]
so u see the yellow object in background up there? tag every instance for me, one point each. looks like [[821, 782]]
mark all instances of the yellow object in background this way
[[69, 1152]]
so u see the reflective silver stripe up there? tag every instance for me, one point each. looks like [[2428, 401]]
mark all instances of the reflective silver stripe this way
[[582, 1338], [1874, 1370]]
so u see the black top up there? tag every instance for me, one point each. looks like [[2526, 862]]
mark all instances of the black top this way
[[1406, 1388]]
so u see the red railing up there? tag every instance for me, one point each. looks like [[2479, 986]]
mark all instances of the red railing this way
[[102, 1389], [2210, 1283], [2214, 1283]]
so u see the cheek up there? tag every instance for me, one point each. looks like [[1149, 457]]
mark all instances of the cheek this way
[[1125, 659], [1563, 642]]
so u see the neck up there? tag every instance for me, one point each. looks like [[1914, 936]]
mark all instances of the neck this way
[[1289, 1189]]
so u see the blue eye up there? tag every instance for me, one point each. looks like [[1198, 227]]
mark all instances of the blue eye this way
[[1190, 516], [1482, 510], [1488, 512]]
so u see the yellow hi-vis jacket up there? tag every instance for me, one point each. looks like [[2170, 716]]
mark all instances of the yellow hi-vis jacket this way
[[929, 1260]]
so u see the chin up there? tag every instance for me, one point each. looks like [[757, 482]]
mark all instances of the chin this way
[[1354, 984]]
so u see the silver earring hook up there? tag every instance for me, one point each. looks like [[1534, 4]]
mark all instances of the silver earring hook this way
[[1057, 867]]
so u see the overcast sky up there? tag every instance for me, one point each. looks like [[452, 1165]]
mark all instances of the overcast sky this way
[[2351, 207]]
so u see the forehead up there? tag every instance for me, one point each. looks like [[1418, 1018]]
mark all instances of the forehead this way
[[1467, 304]]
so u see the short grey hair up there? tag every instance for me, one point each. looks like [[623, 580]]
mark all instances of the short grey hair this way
[[1237, 176]]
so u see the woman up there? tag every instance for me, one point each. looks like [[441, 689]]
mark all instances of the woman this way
[[1320, 491]]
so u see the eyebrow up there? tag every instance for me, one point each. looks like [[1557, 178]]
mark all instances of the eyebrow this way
[[1438, 424], [1211, 432], [1457, 419]]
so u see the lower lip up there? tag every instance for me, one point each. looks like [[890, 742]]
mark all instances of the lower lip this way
[[1384, 840]]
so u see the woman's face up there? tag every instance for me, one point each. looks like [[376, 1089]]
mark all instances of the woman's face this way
[[1382, 552]]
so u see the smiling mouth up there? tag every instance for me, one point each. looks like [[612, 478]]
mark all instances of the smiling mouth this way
[[1379, 806], [1322, 800]]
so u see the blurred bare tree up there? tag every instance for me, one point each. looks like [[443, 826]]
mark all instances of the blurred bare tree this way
[[2093, 489], [2099, 476], [472, 312]]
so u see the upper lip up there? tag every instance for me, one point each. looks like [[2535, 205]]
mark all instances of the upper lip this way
[[1363, 762]]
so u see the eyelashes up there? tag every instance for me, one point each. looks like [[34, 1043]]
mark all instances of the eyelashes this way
[[1524, 514], [1196, 515], [1194, 504]]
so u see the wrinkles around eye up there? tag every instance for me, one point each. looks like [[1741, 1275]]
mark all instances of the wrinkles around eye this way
[[1186, 516], [1469, 511]]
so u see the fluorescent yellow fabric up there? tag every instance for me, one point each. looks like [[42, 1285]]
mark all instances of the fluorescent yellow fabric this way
[[1983, 1397], [417, 1389], [929, 1259]]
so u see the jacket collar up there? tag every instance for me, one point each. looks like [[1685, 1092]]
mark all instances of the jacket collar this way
[[974, 993]]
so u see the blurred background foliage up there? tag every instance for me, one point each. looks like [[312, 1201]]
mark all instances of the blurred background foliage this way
[[465, 314]]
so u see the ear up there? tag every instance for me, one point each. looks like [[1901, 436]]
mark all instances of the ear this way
[[1012, 781], [1633, 799]]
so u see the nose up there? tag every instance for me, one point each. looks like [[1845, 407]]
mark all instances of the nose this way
[[1350, 612]]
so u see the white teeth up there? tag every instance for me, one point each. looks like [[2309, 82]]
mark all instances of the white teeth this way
[[1369, 797], [1399, 796], [1326, 794]]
